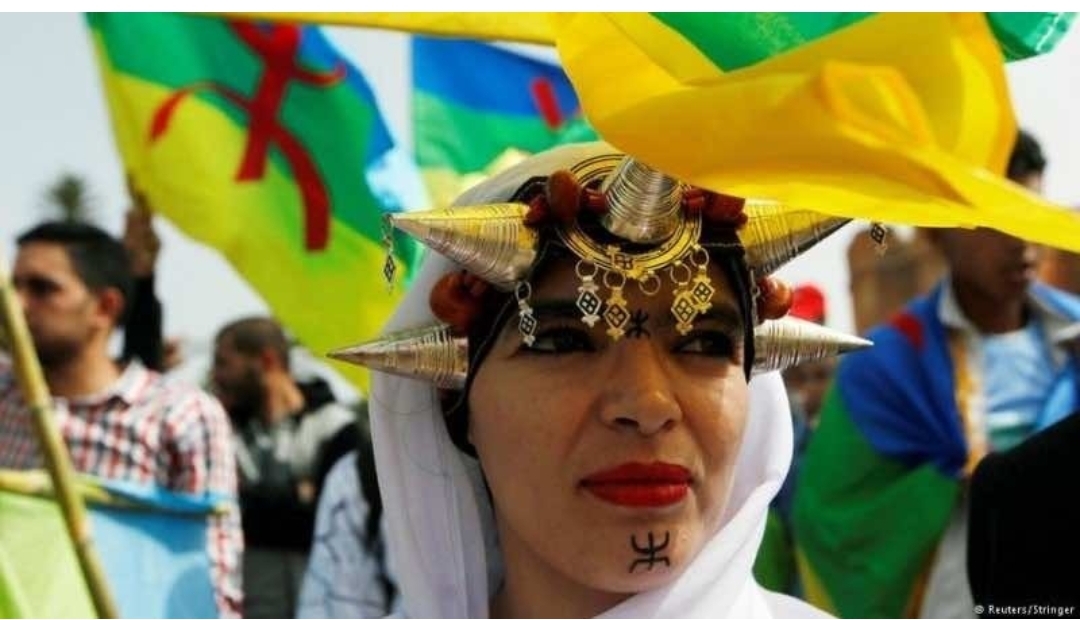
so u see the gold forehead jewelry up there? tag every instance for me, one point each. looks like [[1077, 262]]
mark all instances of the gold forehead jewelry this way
[[493, 242], [645, 212], [654, 239]]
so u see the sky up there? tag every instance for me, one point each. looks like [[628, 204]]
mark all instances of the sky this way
[[54, 120]]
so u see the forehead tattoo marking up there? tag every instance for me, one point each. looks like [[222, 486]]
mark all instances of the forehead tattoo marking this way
[[637, 328]]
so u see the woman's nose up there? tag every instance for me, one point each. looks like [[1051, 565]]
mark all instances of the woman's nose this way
[[639, 394]]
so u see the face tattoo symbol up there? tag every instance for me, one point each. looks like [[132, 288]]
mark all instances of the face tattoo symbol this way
[[650, 551], [637, 327]]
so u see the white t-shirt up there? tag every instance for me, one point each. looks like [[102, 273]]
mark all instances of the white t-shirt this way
[[342, 578], [1017, 373]]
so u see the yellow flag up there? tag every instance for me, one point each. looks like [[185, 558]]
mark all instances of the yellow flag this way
[[519, 27], [900, 118]]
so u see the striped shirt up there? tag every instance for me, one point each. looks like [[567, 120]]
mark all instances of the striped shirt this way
[[144, 429]]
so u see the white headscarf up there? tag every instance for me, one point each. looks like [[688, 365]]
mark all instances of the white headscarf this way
[[439, 520]]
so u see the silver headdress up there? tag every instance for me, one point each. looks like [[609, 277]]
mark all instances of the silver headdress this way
[[433, 354], [490, 241], [645, 209], [774, 235], [787, 342], [643, 204]]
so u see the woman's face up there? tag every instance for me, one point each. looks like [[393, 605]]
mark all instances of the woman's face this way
[[610, 462]]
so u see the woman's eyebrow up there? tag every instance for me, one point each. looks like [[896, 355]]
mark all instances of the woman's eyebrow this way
[[723, 312], [545, 309], [556, 308]]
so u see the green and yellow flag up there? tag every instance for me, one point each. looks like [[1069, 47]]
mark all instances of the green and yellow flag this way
[[151, 541], [1020, 35], [902, 118], [898, 117], [478, 108], [885, 469], [522, 27], [263, 142]]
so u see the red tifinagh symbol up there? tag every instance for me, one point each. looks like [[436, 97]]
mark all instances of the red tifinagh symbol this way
[[543, 94], [910, 327], [276, 46]]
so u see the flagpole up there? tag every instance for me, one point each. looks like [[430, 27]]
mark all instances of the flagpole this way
[[36, 394]]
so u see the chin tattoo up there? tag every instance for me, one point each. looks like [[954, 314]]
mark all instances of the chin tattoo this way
[[650, 552]]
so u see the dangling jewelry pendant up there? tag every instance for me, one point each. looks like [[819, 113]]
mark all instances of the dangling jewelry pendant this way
[[649, 285], [587, 300], [526, 318], [615, 313], [389, 267], [878, 234], [701, 289], [683, 307]]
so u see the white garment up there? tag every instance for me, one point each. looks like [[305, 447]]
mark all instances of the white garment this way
[[1018, 375], [948, 594], [292, 442], [342, 578], [439, 520]]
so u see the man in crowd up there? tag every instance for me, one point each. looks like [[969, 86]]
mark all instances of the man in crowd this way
[[973, 367], [120, 421], [288, 436]]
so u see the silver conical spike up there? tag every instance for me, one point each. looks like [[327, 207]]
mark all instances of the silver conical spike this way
[[643, 204], [774, 235], [789, 341], [430, 353], [490, 241]]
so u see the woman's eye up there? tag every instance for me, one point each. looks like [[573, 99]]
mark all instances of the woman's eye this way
[[710, 343], [561, 340]]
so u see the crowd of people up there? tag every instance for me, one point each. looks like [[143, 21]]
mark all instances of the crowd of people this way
[[257, 436], [911, 478]]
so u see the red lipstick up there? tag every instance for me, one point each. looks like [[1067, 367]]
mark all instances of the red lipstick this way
[[640, 484]]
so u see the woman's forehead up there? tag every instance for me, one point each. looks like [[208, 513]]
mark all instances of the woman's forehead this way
[[560, 280]]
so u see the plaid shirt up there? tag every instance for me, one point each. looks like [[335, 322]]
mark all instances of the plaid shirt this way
[[145, 429]]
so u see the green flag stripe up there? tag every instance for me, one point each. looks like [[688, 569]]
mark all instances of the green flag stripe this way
[[1022, 35], [867, 525], [759, 35], [187, 50], [465, 140], [736, 40]]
